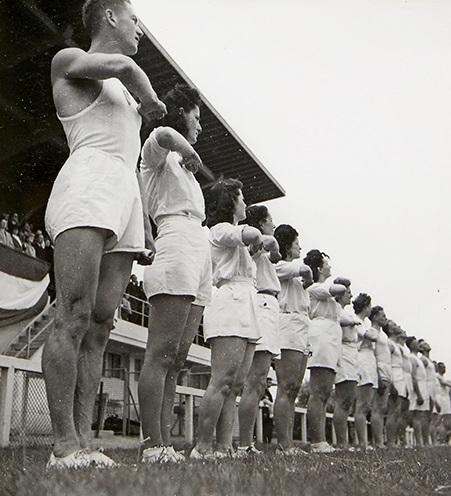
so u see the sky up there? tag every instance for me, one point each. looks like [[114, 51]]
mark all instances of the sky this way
[[348, 105]]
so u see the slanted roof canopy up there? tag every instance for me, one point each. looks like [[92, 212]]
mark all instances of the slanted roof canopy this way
[[32, 142]]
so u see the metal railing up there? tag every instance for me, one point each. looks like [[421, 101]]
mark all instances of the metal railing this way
[[27, 332], [139, 314]]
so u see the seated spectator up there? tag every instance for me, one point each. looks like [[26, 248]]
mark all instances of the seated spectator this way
[[5, 236], [39, 245], [13, 222], [18, 245], [28, 247]]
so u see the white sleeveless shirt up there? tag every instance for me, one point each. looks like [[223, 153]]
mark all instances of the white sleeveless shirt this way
[[110, 124]]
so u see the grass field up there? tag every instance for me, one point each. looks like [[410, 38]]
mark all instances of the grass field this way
[[390, 472]]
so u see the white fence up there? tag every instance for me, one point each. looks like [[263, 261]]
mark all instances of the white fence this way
[[20, 411]]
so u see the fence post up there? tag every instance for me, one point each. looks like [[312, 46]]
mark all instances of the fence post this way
[[189, 418], [6, 404], [23, 416], [259, 426], [304, 426], [125, 405]]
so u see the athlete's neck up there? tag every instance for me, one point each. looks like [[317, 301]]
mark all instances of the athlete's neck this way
[[105, 45]]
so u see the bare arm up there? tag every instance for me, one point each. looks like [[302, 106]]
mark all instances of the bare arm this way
[[148, 238], [172, 140], [74, 63], [251, 237]]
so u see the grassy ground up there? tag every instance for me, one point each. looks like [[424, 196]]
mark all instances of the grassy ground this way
[[390, 472]]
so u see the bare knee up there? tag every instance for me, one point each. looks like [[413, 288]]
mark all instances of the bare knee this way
[[225, 384], [291, 389], [73, 320], [321, 393]]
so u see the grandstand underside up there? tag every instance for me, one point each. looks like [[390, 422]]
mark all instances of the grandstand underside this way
[[32, 143]]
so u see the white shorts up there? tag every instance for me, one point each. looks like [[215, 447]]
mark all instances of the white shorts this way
[[325, 341], [413, 406], [445, 404], [233, 312], [95, 189], [182, 264], [399, 381], [268, 319], [294, 328], [367, 367], [348, 363]]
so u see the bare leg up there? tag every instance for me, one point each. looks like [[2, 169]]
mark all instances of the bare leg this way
[[290, 370], [168, 317], [393, 418], [379, 410], [77, 259], [426, 426], [227, 354], [253, 390], [403, 420], [192, 325], [363, 407], [344, 398], [224, 428], [321, 384], [417, 427], [115, 272]]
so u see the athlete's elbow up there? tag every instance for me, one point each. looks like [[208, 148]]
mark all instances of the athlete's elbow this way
[[123, 66]]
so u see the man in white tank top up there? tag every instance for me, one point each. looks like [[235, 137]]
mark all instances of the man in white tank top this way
[[94, 215]]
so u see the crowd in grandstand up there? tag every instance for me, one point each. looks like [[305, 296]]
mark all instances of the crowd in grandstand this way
[[20, 235], [267, 303]]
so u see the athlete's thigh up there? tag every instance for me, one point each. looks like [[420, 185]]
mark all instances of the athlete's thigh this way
[[77, 260], [115, 270], [191, 327], [227, 355]]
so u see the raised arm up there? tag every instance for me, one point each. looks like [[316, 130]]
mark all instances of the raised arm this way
[[74, 63], [251, 237], [172, 140]]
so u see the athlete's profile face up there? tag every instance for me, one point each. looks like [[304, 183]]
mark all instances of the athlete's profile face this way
[[193, 127], [128, 31], [240, 207], [347, 296], [267, 226], [295, 249], [326, 268]]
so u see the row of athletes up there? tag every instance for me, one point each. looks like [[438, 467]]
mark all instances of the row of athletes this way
[[98, 218]]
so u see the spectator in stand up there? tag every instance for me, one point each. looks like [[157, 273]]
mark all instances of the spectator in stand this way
[[267, 412], [134, 292], [126, 309], [13, 222], [5, 236], [28, 247], [39, 245], [15, 234]]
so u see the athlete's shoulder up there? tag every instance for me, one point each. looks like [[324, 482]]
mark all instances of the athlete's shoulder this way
[[67, 55], [64, 58]]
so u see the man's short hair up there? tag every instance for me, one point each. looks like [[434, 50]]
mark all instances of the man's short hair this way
[[92, 12]]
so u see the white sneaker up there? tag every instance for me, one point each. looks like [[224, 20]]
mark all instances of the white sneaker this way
[[210, 456], [293, 451], [100, 460], [323, 447], [247, 451], [176, 455], [159, 454], [79, 459]]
